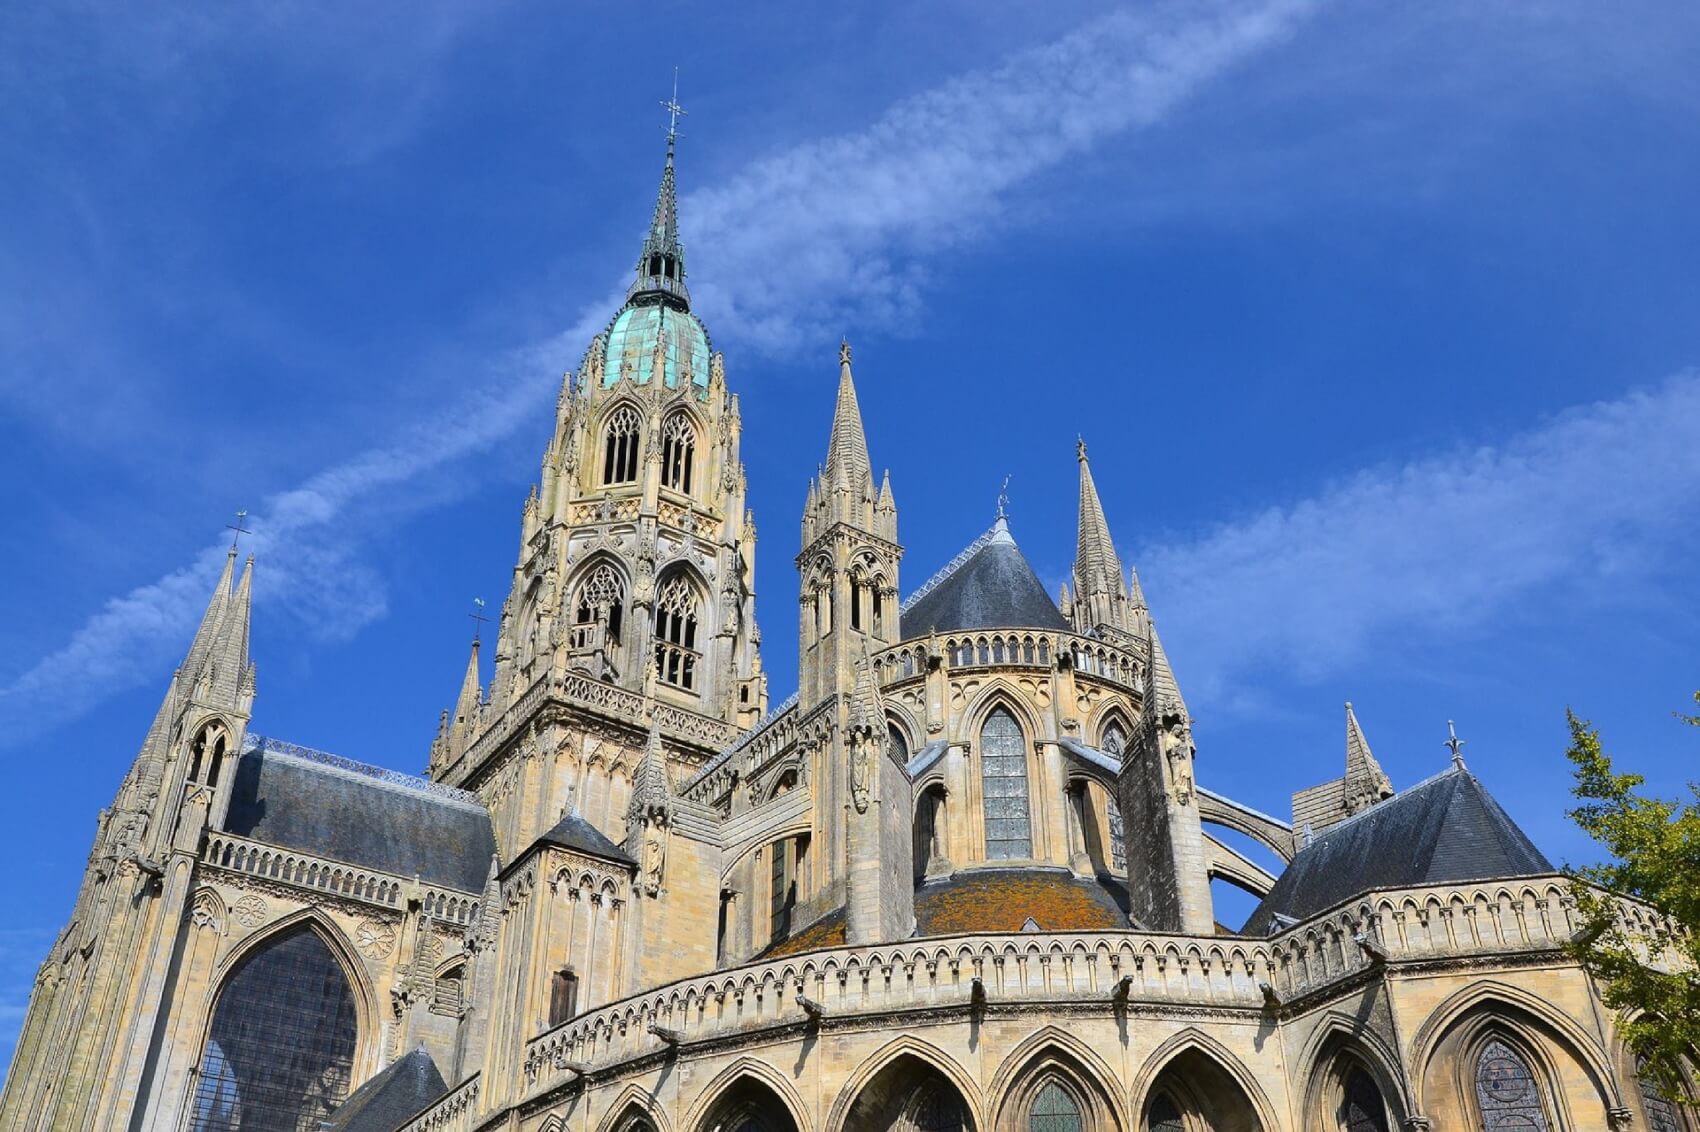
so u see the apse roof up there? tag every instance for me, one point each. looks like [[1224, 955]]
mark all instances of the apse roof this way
[[574, 832], [1445, 830], [360, 815], [988, 586], [401, 1091]]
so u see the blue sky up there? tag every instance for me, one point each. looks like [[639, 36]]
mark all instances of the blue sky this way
[[1380, 321]]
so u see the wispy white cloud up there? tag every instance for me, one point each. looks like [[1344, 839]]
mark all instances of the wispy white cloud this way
[[1585, 503], [836, 231]]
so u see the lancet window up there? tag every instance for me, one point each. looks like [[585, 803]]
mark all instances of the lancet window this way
[[599, 610], [620, 446], [1363, 1110], [676, 653], [1003, 787], [678, 453], [289, 995], [206, 754], [1507, 1092], [1054, 1111], [782, 894]]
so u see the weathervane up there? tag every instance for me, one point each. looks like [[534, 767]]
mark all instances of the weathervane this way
[[1455, 745], [674, 110], [238, 528], [1003, 499], [478, 619]]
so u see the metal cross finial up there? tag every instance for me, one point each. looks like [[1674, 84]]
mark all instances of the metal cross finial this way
[[478, 619], [238, 528], [1003, 499], [1455, 745], [674, 110], [844, 351]]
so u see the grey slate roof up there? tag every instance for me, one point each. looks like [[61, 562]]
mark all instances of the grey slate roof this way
[[396, 1095], [1448, 829], [380, 823], [573, 832], [993, 588]]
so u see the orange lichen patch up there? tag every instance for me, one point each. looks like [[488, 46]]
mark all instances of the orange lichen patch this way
[[1003, 901], [828, 931]]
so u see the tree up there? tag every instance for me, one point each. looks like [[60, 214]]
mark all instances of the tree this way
[[1648, 974]]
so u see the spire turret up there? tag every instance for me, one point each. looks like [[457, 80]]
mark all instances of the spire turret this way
[[847, 463], [1100, 591], [1366, 783], [661, 261]]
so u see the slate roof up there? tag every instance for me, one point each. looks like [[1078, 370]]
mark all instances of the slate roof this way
[[573, 832], [1446, 830], [363, 816], [993, 587], [400, 1092], [1003, 900]]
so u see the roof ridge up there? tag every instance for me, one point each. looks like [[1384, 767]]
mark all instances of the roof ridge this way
[[955, 564], [366, 772], [1365, 812]]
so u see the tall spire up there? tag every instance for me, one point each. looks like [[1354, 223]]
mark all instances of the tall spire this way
[[661, 262], [847, 462], [1100, 591]]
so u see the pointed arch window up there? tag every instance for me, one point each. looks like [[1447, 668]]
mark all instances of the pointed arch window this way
[[206, 754], [1164, 1115], [1363, 1109], [1003, 787], [290, 995], [599, 610], [678, 453], [676, 656], [1507, 1091], [620, 446], [1054, 1110], [1661, 1113]]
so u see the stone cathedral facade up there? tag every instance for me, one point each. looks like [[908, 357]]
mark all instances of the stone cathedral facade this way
[[961, 881]]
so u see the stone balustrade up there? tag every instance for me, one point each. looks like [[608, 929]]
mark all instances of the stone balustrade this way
[[320, 875], [453, 1112], [1013, 648]]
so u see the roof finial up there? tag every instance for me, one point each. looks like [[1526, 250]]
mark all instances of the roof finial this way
[[478, 618], [1003, 499], [1455, 745], [844, 350], [238, 528], [1080, 448]]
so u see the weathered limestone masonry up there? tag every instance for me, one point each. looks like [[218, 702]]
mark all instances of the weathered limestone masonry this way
[[962, 880]]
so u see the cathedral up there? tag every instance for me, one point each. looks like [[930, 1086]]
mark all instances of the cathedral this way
[[959, 881]]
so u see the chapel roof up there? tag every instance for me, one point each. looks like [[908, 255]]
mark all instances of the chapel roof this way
[[1003, 900], [575, 833], [360, 815], [1445, 830], [400, 1091], [990, 585]]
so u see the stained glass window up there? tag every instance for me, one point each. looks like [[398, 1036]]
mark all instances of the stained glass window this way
[[1003, 785], [933, 1108], [280, 1051], [1163, 1115], [1507, 1092], [1054, 1110], [1364, 1110], [1661, 1113]]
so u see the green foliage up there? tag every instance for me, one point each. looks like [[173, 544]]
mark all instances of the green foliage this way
[[1648, 973]]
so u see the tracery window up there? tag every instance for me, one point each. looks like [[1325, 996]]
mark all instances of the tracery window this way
[[599, 612], [620, 446], [1054, 1111], [896, 743], [1114, 741], [676, 653], [935, 1107], [1363, 1109], [1506, 1091], [1003, 787], [678, 453], [290, 995], [1163, 1115], [1661, 1113]]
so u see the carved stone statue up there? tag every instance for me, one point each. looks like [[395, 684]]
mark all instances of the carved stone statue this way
[[654, 857]]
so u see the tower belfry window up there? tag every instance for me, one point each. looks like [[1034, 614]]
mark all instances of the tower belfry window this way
[[620, 447], [598, 614], [678, 453], [676, 653], [206, 756]]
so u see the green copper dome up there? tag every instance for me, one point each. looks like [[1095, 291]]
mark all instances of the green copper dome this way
[[631, 347]]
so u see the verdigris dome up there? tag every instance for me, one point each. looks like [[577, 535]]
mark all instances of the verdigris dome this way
[[631, 347]]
